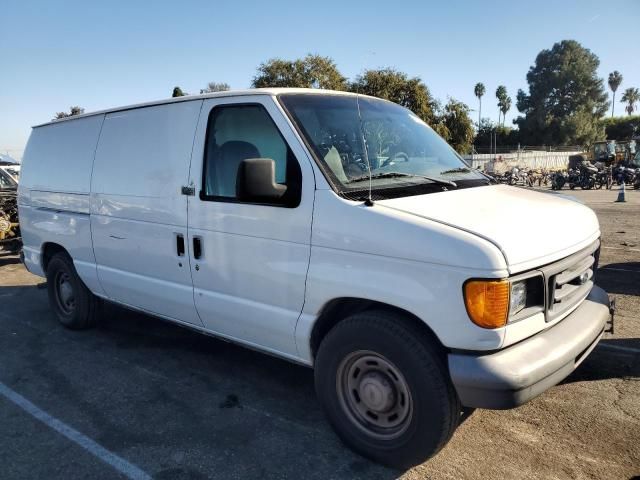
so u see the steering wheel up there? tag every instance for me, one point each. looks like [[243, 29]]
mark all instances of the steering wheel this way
[[395, 156]]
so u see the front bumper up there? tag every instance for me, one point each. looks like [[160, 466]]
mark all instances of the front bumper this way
[[515, 375]]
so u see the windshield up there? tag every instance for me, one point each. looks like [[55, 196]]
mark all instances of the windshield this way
[[400, 148], [6, 181]]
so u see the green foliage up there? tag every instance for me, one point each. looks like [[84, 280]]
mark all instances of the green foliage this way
[[72, 111], [631, 96], [479, 91], [566, 98], [504, 135], [397, 87], [455, 126], [177, 92], [312, 71], [622, 128], [615, 79], [215, 87], [504, 102]]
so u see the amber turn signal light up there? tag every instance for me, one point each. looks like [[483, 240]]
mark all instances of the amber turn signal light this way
[[487, 302]]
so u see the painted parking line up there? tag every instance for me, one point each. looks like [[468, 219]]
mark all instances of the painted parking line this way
[[120, 464]]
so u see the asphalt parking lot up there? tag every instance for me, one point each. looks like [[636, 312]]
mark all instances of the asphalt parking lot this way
[[142, 398]]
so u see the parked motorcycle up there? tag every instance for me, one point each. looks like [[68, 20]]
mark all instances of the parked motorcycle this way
[[603, 178], [588, 173], [624, 174], [573, 178], [558, 180]]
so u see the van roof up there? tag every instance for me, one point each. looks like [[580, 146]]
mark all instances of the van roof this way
[[189, 98]]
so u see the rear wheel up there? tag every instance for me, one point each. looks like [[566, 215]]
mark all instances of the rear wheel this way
[[75, 306], [385, 389]]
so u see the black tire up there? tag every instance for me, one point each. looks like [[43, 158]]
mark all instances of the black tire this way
[[432, 401], [74, 305]]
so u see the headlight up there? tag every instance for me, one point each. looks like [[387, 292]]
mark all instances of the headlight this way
[[493, 303], [518, 296]]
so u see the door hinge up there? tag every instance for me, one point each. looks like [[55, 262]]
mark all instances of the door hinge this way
[[191, 191]]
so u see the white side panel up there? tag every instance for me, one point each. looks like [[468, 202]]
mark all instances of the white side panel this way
[[53, 194], [68, 229], [72, 202], [59, 156], [138, 210]]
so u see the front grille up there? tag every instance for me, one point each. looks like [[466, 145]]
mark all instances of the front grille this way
[[569, 281]]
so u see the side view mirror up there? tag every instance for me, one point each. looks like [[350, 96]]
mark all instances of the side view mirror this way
[[256, 181]]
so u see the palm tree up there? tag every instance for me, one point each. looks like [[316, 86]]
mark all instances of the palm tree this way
[[631, 96], [479, 91], [615, 79], [501, 95], [506, 105]]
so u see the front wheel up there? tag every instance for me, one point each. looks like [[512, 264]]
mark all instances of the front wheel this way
[[385, 389]]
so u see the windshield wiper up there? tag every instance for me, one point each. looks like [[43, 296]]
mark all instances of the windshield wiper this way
[[456, 170], [439, 181], [465, 170]]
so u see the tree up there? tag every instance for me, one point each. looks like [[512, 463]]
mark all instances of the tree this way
[[566, 98], [631, 96], [479, 91], [312, 71], [615, 79], [457, 126], [501, 95], [397, 87], [72, 111], [503, 135], [505, 107], [622, 128], [177, 92], [215, 87]]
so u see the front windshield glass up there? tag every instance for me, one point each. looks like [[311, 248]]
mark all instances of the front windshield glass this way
[[6, 181], [400, 148]]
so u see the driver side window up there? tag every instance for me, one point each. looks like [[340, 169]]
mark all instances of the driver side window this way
[[239, 132]]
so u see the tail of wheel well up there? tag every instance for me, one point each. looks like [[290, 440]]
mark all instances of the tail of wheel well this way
[[340, 308]]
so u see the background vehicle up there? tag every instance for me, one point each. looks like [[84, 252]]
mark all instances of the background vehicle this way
[[558, 180], [295, 222], [9, 226], [12, 169]]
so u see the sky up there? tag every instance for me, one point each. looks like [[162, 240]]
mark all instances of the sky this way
[[105, 54]]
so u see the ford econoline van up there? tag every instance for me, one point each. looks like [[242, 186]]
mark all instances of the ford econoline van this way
[[331, 229]]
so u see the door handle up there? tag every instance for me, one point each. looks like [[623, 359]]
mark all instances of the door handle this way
[[197, 248], [180, 244]]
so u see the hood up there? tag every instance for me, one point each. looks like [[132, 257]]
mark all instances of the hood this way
[[530, 228]]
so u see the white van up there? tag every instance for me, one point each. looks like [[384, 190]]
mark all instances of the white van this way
[[331, 229]]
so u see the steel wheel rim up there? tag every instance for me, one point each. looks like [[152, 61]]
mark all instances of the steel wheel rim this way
[[64, 293], [374, 394]]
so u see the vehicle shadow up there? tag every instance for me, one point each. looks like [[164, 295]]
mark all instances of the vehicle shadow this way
[[8, 259], [612, 358], [245, 382], [620, 278], [234, 411]]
